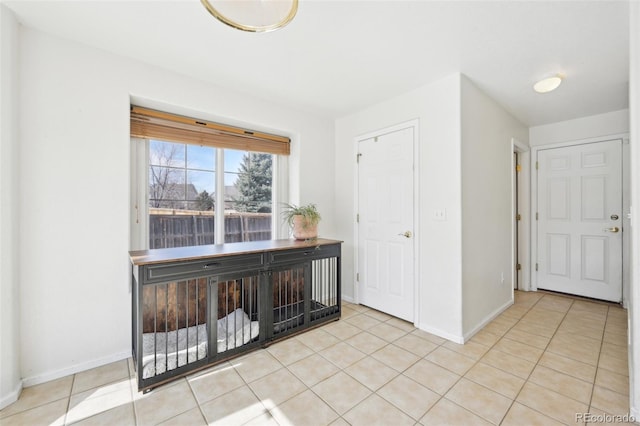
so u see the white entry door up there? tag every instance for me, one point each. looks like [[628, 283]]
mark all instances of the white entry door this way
[[385, 225], [580, 220]]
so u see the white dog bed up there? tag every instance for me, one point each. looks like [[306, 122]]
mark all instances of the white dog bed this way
[[173, 349]]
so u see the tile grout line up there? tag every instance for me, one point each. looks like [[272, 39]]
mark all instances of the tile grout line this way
[[513, 400], [476, 362], [538, 361], [73, 381], [307, 386], [593, 387], [387, 343], [400, 373], [247, 384], [375, 392], [131, 387], [193, 393]]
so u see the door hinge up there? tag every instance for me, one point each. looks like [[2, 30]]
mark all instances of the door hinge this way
[[536, 266], [518, 168], [358, 155], [518, 267], [358, 276], [536, 215], [358, 218], [518, 216], [537, 165]]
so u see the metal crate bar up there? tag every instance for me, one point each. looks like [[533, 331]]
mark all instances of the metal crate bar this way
[[324, 291], [288, 299], [174, 332], [238, 313]]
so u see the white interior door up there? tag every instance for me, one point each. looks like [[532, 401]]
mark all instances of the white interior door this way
[[385, 225], [580, 220]]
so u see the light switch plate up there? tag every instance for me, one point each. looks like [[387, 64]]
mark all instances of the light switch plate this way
[[440, 215]]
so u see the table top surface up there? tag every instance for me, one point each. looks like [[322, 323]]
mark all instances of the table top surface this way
[[147, 257]]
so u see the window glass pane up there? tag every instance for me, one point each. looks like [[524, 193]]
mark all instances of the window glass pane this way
[[201, 181], [203, 184], [166, 154], [248, 187], [232, 159], [201, 157], [248, 195], [181, 195], [230, 191], [166, 187]]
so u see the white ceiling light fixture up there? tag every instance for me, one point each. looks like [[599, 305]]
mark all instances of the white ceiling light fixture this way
[[549, 84], [256, 16]]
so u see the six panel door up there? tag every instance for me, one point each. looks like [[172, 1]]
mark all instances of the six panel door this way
[[580, 220]]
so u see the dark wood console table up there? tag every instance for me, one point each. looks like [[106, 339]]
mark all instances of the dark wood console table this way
[[196, 306]]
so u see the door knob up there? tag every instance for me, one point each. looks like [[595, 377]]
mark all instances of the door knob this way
[[614, 229], [406, 234]]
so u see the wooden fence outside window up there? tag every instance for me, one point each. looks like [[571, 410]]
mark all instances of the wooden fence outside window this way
[[183, 229]]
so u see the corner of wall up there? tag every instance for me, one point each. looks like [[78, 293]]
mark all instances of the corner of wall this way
[[11, 396], [487, 133], [634, 305], [10, 382]]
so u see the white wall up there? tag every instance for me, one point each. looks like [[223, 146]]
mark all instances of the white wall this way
[[10, 383], [437, 107], [74, 190], [611, 123], [634, 308], [487, 130], [464, 166]]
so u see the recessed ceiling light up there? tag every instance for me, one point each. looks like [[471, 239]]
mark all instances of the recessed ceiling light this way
[[548, 84]]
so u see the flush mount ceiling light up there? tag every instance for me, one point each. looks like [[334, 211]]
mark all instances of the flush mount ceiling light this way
[[548, 84], [256, 16]]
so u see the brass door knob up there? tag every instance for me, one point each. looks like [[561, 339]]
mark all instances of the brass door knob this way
[[614, 229], [406, 234]]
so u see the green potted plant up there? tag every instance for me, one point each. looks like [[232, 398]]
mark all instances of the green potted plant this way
[[303, 220]]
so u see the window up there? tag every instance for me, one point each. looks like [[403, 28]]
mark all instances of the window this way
[[193, 194], [181, 176]]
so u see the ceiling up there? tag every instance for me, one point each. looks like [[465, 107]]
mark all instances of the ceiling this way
[[340, 56]]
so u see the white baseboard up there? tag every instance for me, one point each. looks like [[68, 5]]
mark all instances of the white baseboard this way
[[465, 338], [347, 299], [445, 335], [486, 320], [77, 368], [12, 397]]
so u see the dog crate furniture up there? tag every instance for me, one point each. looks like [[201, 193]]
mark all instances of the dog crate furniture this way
[[196, 306]]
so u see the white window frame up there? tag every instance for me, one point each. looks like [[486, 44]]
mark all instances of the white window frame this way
[[139, 200]]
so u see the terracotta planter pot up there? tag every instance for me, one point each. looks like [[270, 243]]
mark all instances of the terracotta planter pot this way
[[302, 229]]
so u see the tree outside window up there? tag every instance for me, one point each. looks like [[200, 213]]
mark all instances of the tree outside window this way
[[254, 183]]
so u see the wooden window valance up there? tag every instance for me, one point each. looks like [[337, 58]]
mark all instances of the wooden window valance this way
[[151, 124]]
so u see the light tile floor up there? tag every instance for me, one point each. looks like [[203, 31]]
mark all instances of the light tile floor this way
[[545, 360]]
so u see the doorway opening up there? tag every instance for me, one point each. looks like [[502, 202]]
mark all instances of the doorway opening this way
[[516, 218], [521, 217]]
